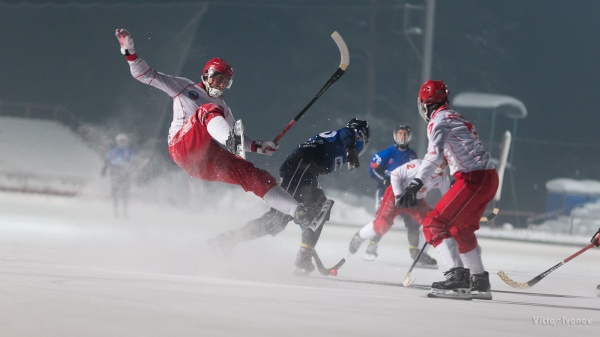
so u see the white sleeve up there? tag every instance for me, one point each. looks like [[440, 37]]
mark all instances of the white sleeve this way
[[172, 85], [445, 184], [435, 150], [218, 128], [396, 181]]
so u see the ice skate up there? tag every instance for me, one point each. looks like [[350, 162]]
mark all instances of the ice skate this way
[[480, 286], [304, 264], [425, 261], [235, 142], [456, 286], [224, 243], [313, 215], [355, 243], [371, 253]]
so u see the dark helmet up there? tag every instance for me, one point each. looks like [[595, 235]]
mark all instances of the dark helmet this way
[[363, 133], [405, 140], [433, 93]]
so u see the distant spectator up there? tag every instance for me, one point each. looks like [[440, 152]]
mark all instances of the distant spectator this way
[[118, 163]]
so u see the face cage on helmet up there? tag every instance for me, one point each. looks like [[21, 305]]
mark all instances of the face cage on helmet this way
[[423, 109], [215, 92], [406, 139]]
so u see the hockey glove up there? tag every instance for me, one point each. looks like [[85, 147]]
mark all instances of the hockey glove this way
[[397, 201], [126, 42], [264, 147], [435, 232], [387, 181], [595, 238], [352, 158], [409, 198]]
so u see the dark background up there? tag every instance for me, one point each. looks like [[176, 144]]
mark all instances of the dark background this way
[[542, 52]]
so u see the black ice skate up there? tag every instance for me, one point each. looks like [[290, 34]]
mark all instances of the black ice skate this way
[[371, 253], [480, 286], [304, 264], [425, 261], [224, 243], [313, 215], [456, 286], [355, 243]]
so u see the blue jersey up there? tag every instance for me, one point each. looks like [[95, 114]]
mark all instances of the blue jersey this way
[[385, 161], [119, 158], [327, 150]]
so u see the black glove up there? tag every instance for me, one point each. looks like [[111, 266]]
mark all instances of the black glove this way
[[352, 158], [595, 238], [409, 198], [386, 181], [398, 202]]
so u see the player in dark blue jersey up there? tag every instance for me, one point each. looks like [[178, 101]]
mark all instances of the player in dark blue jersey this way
[[322, 154], [382, 164], [387, 160]]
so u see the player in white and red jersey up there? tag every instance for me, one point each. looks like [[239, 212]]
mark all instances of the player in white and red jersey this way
[[202, 121], [400, 177], [457, 214]]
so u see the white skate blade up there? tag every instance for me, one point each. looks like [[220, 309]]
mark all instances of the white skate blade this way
[[426, 266], [238, 130], [454, 294], [369, 257], [301, 272], [323, 215], [481, 295]]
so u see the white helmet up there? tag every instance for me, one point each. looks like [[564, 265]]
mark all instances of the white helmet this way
[[403, 141], [122, 140]]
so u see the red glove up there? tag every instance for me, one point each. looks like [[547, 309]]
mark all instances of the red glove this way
[[435, 233]]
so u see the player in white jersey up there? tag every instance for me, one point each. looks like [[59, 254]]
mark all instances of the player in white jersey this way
[[400, 177], [202, 122], [457, 214]]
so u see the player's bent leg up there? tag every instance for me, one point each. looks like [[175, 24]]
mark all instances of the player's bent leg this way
[[371, 252], [447, 251], [364, 233], [281, 200]]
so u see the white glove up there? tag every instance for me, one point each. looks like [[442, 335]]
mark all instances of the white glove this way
[[264, 147], [126, 41]]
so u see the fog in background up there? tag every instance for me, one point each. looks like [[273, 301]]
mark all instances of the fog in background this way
[[542, 52]]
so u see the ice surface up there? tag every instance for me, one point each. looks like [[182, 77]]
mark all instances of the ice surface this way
[[69, 268]]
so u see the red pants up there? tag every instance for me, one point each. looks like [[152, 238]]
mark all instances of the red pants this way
[[458, 212], [195, 151], [388, 212]]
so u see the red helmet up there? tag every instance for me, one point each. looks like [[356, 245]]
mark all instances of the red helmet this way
[[432, 92], [220, 66], [213, 67]]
